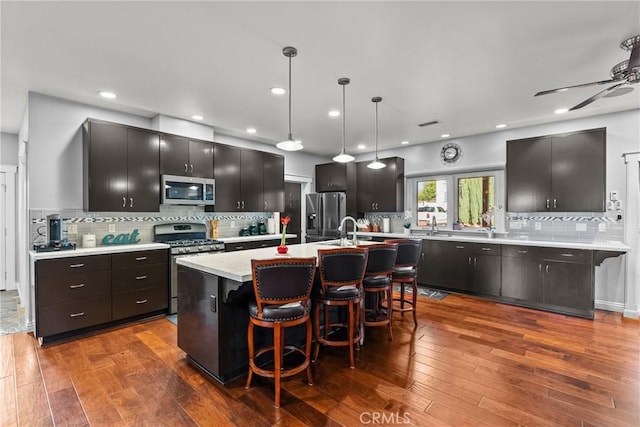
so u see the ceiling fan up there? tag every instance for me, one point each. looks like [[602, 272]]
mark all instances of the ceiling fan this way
[[626, 72]]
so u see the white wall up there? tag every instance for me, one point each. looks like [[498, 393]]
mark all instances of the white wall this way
[[8, 148], [182, 127]]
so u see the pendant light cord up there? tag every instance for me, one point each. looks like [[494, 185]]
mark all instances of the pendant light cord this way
[[343, 119], [290, 134], [376, 131]]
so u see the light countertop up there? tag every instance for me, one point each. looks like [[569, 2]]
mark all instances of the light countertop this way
[[98, 250], [254, 238], [480, 237]]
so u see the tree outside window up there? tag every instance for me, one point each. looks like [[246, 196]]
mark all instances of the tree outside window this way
[[476, 197]]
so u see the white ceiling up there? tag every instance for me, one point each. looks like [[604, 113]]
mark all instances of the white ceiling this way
[[469, 65]]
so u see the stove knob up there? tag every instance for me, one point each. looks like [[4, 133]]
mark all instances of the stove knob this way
[[180, 250], [200, 248], [187, 249]]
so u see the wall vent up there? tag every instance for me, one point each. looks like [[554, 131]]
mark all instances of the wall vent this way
[[432, 122]]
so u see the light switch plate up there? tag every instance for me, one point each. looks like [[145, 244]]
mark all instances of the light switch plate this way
[[514, 225], [233, 224], [613, 196], [581, 226], [602, 227], [72, 229], [112, 228], [538, 226]]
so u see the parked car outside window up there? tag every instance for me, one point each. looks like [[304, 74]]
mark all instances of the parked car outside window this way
[[425, 213]]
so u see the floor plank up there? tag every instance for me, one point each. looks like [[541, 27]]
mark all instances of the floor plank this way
[[469, 362]]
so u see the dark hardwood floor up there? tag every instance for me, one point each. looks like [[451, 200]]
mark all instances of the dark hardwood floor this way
[[469, 362]]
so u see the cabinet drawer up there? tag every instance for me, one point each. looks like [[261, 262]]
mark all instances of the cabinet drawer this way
[[140, 258], [62, 267], [240, 246], [266, 243], [129, 279], [75, 287], [139, 302], [568, 255], [486, 249], [516, 251], [58, 318]]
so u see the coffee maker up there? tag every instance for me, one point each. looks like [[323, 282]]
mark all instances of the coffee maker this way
[[54, 229]]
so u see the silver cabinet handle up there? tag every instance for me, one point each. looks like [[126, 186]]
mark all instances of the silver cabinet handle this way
[[475, 261], [486, 249], [130, 202], [142, 301], [546, 268], [77, 314], [566, 255], [539, 267], [239, 247], [459, 247], [469, 260], [124, 202], [81, 285], [523, 252], [76, 265], [238, 204], [243, 204], [191, 168], [141, 277], [265, 205], [141, 258], [554, 203], [186, 168], [547, 203]]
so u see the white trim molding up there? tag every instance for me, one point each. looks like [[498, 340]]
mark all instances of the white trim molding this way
[[632, 235]]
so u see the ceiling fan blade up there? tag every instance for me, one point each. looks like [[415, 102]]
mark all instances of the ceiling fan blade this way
[[597, 95], [634, 60], [562, 89]]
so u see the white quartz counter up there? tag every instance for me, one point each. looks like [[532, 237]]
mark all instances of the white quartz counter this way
[[237, 265], [482, 238], [98, 250], [254, 238]]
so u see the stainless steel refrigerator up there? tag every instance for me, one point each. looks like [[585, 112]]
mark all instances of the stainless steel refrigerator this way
[[324, 212]]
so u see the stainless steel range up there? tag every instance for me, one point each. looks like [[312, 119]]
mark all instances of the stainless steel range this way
[[185, 239]]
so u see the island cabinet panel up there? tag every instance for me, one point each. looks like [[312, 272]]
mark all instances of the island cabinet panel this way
[[77, 293], [564, 172], [381, 190], [521, 274], [185, 156], [248, 180], [72, 293], [433, 269], [120, 168]]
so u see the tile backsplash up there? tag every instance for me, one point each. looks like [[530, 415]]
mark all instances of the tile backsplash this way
[[566, 227], [77, 222]]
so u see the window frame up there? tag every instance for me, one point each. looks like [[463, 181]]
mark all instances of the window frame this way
[[411, 189]]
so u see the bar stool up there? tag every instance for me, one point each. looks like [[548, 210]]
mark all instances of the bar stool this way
[[377, 282], [341, 272], [405, 272], [282, 288]]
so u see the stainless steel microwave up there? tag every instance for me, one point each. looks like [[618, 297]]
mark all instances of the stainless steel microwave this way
[[186, 190]]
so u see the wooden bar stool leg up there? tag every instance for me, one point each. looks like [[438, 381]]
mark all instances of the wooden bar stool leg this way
[[350, 328], [316, 321], [308, 351], [277, 363], [402, 297], [390, 311], [250, 339], [415, 300]]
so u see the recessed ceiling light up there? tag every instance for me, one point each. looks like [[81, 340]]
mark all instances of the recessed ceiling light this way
[[107, 94], [361, 146], [197, 117], [334, 113], [561, 110], [500, 126], [251, 130], [278, 91], [445, 135], [404, 142]]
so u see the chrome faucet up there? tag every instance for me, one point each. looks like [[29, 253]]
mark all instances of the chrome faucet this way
[[434, 225], [355, 229]]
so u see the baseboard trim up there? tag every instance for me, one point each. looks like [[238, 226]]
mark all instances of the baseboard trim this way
[[610, 306], [631, 314]]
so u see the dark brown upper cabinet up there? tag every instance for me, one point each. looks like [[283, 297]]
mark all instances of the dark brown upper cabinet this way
[[120, 168], [563, 173], [185, 156], [381, 190], [248, 180], [339, 177]]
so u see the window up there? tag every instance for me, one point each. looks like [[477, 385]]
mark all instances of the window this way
[[469, 199]]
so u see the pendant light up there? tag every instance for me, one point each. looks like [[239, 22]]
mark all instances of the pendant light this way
[[290, 144], [343, 157], [376, 164]]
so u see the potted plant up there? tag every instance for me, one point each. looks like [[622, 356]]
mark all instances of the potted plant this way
[[283, 249], [407, 221]]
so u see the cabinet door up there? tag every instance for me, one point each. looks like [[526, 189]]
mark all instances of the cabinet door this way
[[331, 177], [174, 155], [143, 160], [486, 275], [521, 278], [251, 181], [389, 196], [200, 159], [105, 153], [460, 259], [227, 175], [366, 188], [568, 284], [528, 174], [292, 209], [273, 182], [578, 171], [433, 264]]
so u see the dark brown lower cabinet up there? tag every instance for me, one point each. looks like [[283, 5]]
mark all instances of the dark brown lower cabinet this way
[[568, 280], [433, 264], [521, 274], [77, 293]]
